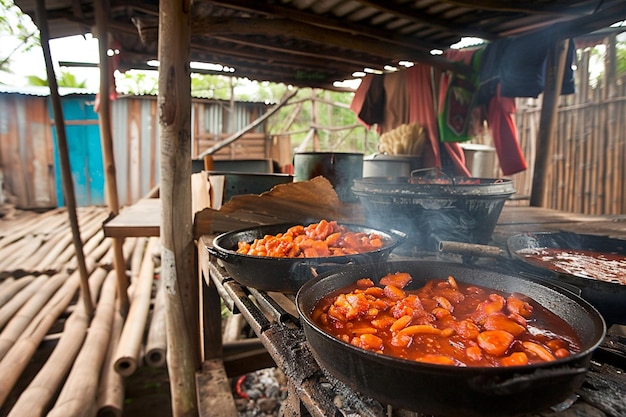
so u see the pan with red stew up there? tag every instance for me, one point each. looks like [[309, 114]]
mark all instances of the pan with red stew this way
[[596, 265], [426, 383]]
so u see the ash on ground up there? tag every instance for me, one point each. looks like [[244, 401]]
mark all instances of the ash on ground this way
[[260, 393]]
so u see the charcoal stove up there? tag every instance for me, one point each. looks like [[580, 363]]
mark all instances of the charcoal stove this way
[[313, 392]]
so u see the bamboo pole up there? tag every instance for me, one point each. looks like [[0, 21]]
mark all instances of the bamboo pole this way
[[16, 359], [156, 343], [127, 252], [8, 310], [30, 225], [12, 255], [95, 255], [110, 399], [78, 396], [177, 258], [104, 112], [618, 152], [549, 111], [10, 287], [40, 260], [129, 347], [25, 316], [59, 122], [40, 393]]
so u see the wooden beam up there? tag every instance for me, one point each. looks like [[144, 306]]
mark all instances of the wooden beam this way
[[177, 258], [549, 113], [324, 22], [552, 9], [428, 19], [221, 28], [66, 173], [106, 138]]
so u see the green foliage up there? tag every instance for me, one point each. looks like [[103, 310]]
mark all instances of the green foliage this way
[[65, 79], [18, 33], [138, 82], [332, 110]]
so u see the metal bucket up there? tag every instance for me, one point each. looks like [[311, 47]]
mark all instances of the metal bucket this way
[[381, 165], [340, 169]]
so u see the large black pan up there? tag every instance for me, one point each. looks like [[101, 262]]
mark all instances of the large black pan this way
[[288, 274], [608, 297], [447, 390]]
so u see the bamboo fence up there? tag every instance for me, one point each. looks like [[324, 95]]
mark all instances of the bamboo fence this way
[[588, 164]]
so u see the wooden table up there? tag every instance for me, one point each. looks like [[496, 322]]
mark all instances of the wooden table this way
[[142, 219], [515, 220]]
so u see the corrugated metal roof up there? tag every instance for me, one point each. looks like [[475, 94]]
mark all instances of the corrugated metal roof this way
[[315, 43], [43, 91]]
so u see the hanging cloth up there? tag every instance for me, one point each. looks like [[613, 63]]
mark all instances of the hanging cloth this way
[[504, 132], [459, 97], [422, 110], [396, 101], [360, 95]]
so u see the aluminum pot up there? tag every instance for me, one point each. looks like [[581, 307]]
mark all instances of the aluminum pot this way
[[448, 390], [288, 274], [381, 165]]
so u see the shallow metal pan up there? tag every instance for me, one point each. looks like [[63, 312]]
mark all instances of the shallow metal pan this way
[[288, 274]]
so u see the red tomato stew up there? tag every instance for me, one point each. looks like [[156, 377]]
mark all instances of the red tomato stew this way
[[608, 267], [445, 322], [325, 238]]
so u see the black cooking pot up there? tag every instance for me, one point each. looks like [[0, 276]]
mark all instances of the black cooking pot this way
[[448, 390], [339, 168], [288, 274], [463, 210], [607, 297]]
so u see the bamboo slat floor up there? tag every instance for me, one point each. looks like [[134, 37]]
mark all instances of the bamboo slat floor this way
[[42, 327], [43, 330]]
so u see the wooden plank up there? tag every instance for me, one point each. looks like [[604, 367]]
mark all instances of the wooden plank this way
[[215, 397], [142, 219]]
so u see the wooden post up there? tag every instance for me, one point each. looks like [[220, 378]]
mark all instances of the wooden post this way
[[66, 173], [177, 258], [106, 137], [549, 112]]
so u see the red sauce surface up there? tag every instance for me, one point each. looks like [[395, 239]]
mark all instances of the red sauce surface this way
[[322, 239], [609, 267], [445, 322]]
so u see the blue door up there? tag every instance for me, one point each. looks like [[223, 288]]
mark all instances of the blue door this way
[[85, 151]]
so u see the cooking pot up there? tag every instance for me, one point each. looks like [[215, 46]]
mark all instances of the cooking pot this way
[[607, 297], [381, 165], [448, 390], [238, 183], [288, 274], [463, 210], [339, 168]]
